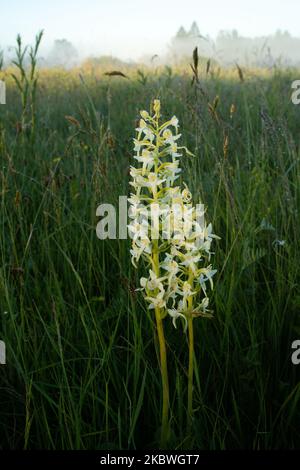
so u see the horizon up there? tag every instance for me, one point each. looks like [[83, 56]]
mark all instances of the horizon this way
[[88, 26]]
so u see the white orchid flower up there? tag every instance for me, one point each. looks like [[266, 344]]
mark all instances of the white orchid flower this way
[[175, 315]]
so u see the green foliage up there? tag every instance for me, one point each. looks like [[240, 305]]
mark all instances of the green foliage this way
[[1, 59], [26, 82], [81, 367]]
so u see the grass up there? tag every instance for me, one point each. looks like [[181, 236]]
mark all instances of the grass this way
[[82, 362]]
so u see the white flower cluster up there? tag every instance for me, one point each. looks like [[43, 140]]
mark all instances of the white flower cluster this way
[[177, 247]]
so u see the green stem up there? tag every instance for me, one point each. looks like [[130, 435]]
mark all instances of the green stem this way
[[191, 359], [160, 329], [165, 382], [190, 374], [163, 360]]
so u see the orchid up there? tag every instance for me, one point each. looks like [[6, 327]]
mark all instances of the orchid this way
[[177, 256]]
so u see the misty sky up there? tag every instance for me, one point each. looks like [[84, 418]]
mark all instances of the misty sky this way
[[131, 28]]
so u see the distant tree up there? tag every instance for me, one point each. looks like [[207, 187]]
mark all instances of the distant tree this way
[[229, 47], [63, 53], [181, 33], [235, 34], [194, 30], [281, 34]]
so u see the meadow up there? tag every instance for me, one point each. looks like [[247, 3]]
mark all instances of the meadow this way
[[82, 361]]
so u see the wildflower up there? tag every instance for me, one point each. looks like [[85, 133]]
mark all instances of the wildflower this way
[[186, 195], [171, 172], [146, 159], [279, 242], [145, 115], [140, 247], [138, 230], [174, 121], [142, 127], [153, 283], [178, 271], [158, 301], [153, 182], [190, 259], [175, 315], [206, 274], [171, 266]]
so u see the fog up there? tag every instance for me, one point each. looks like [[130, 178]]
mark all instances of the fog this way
[[229, 47], [280, 49], [252, 33]]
